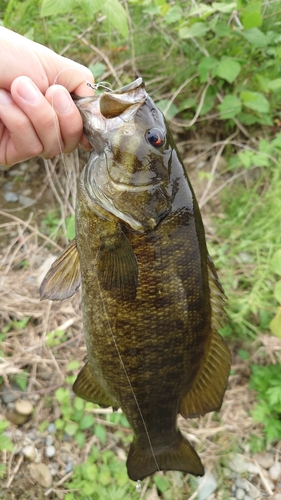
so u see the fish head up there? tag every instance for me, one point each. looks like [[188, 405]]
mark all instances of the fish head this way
[[129, 172]]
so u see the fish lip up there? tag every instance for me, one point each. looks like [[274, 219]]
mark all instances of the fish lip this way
[[123, 186]]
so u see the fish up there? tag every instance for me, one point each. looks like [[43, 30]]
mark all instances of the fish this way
[[151, 299]]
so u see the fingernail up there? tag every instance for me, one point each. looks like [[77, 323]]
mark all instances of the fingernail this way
[[28, 91], [5, 98], [62, 102]]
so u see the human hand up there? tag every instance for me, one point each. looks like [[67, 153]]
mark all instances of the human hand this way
[[36, 115]]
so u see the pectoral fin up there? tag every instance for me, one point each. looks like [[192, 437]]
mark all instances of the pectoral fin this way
[[117, 266], [209, 387], [63, 278], [86, 387]]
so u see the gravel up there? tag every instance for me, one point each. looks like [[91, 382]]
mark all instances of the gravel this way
[[50, 451], [10, 197]]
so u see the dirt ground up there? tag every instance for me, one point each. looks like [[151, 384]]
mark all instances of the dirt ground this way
[[26, 252]]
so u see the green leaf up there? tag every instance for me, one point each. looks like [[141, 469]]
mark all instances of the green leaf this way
[[224, 7], [73, 365], [172, 110], [80, 438], [78, 404], [246, 158], [100, 432], [277, 291], [70, 227], [256, 37], [222, 29], [244, 355], [173, 15], [6, 444], [209, 101], [251, 15], [206, 65], [117, 16], [71, 428], [196, 30], [275, 324], [252, 20], [87, 422], [53, 7], [97, 69], [256, 101], [230, 107], [21, 380], [228, 69], [201, 10], [260, 160], [161, 483], [275, 84]]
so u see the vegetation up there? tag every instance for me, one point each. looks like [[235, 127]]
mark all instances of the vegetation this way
[[214, 68]]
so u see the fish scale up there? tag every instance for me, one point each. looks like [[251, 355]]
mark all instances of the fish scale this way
[[151, 298]]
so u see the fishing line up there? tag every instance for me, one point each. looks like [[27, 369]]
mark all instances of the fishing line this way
[[106, 86], [123, 366], [56, 122]]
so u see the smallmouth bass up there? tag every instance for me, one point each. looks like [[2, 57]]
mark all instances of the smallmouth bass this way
[[151, 299]]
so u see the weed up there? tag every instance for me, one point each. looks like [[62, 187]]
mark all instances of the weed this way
[[266, 380]]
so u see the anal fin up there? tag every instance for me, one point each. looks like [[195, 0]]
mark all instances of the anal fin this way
[[87, 387], [63, 278], [210, 384]]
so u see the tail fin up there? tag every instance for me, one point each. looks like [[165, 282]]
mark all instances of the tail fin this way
[[178, 456]]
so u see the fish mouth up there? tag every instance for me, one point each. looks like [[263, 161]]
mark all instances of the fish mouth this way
[[135, 188]]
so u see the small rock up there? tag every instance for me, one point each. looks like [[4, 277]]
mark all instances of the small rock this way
[[50, 451], [29, 451], [8, 434], [200, 165], [275, 471], [208, 487], [34, 168], [15, 418], [26, 192], [53, 471], [242, 483], [25, 200], [11, 197], [266, 460], [32, 435], [8, 186], [69, 467], [15, 173], [24, 407], [8, 396], [49, 440], [51, 428], [41, 474], [253, 491], [246, 497], [237, 462], [24, 166], [240, 494]]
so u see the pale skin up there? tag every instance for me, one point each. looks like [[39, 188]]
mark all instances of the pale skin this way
[[36, 109]]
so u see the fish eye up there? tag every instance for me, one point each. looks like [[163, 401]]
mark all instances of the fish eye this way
[[155, 137]]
